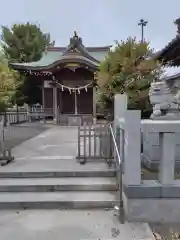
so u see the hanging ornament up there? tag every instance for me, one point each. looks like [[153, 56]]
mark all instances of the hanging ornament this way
[[72, 89]]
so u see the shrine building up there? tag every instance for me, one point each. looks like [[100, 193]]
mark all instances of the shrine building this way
[[169, 56], [67, 80]]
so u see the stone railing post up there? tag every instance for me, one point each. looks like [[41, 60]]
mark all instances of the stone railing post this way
[[167, 146], [167, 157], [132, 147], [120, 106]]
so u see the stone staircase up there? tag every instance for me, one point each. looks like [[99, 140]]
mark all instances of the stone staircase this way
[[86, 186]]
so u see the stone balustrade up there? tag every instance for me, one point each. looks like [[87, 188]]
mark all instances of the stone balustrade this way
[[148, 200]]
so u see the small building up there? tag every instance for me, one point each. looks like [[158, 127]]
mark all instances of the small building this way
[[67, 79], [169, 56]]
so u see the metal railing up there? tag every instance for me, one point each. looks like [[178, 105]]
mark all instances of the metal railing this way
[[5, 151], [14, 117], [119, 166], [94, 142], [99, 142]]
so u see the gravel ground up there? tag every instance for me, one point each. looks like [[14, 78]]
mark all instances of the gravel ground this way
[[166, 230]]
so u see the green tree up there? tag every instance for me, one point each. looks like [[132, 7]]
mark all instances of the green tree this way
[[127, 69], [8, 84], [25, 43]]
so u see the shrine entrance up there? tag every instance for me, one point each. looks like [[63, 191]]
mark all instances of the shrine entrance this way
[[68, 103], [74, 103], [77, 103]]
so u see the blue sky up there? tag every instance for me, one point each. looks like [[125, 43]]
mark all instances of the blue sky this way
[[98, 22]]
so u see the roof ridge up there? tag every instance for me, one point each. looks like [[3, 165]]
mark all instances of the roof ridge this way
[[76, 45], [102, 48]]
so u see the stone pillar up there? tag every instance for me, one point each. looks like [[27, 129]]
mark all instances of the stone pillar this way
[[132, 148], [55, 110], [120, 106], [167, 161]]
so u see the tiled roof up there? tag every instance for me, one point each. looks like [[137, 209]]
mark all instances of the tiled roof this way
[[47, 62], [160, 54], [56, 55]]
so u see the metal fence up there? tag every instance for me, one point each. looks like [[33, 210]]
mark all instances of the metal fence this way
[[100, 142], [14, 117], [94, 142], [5, 152], [18, 115]]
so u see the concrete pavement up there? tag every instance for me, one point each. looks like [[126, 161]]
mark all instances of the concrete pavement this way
[[67, 225]]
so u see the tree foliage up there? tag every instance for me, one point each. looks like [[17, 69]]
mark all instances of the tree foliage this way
[[8, 84], [25, 43], [128, 69]]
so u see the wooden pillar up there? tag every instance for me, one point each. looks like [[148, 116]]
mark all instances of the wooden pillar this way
[[43, 95], [94, 105], [94, 96], [55, 110], [60, 100], [75, 103], [43, 101]]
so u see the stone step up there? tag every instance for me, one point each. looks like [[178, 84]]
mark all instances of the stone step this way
[[57, 184], [58, 200], [58, 173], [35, 167]]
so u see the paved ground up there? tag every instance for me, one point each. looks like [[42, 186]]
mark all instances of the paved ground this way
[[67, 225], [16, 134], [54, 143]]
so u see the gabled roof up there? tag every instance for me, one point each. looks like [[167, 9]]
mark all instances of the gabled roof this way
[[75, 52]]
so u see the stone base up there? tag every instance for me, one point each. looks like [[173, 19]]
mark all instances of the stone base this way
[[152, 210], [152, 202], [153, 164], [153, 189], [74, 120]]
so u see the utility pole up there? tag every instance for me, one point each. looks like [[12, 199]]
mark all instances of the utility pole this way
[[143, 24]]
